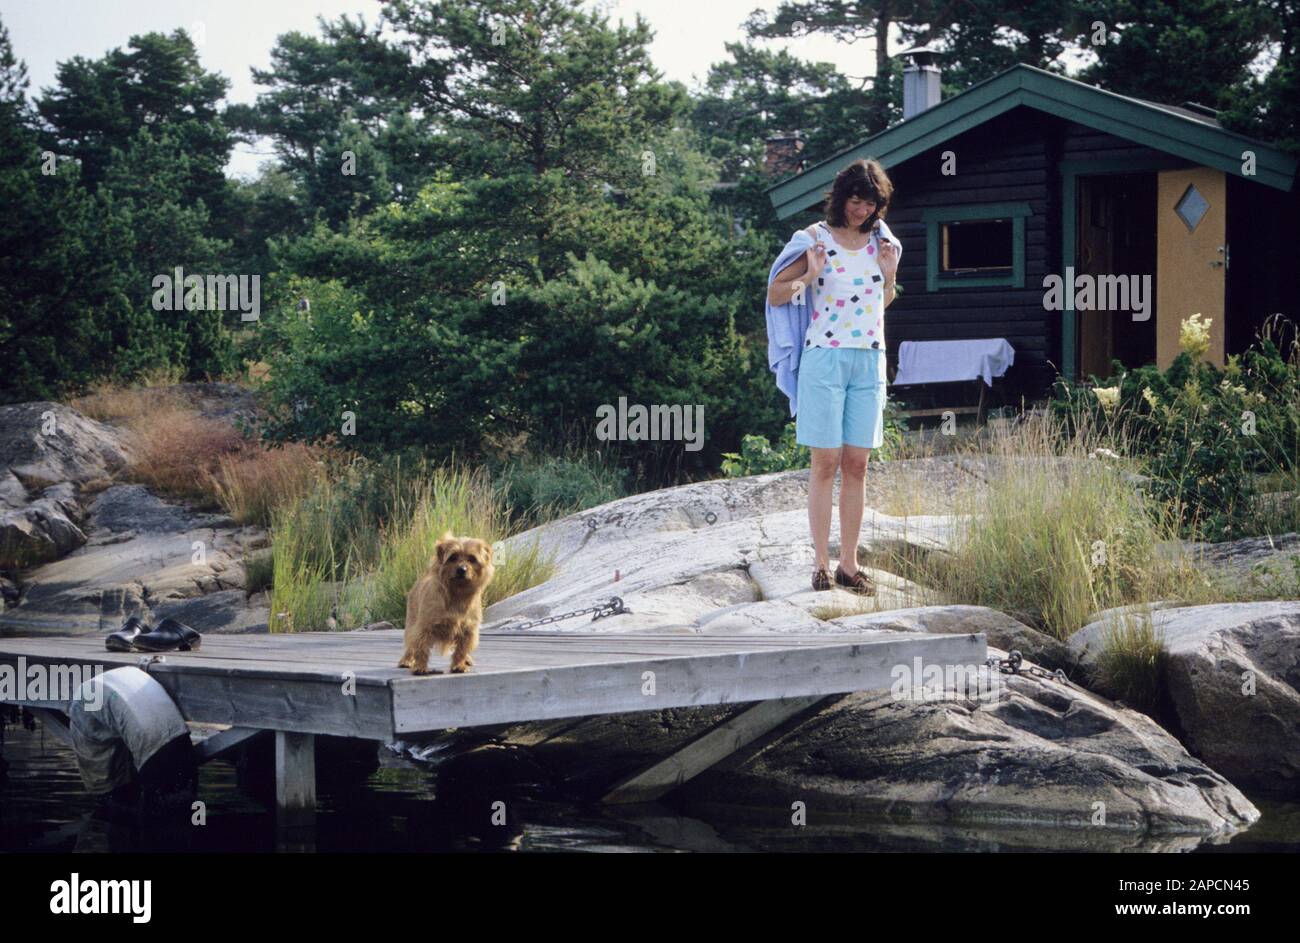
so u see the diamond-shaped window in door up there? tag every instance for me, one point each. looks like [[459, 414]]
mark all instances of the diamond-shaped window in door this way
[[1191, 207]]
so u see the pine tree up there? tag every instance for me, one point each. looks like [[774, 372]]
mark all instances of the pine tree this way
[[53, 296]]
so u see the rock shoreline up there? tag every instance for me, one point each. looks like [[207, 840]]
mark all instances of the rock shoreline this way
[[730, 557]]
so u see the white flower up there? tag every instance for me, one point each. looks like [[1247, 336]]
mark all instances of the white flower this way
[[1108, 396], [1194, 336]]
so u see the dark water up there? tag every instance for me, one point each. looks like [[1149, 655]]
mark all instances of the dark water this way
[[396, 808]]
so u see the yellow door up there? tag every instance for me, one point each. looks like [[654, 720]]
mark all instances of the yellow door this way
[[1192, 257]]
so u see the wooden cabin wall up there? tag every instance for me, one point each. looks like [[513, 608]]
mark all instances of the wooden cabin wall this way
[[1011, 159]]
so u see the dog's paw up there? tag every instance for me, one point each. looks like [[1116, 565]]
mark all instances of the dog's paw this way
[[426, 671], [459, 669]]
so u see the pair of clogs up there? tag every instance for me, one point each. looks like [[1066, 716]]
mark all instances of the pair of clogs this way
[[167, 636]]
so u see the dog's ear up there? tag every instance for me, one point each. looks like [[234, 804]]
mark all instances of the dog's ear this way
[[445, 544]]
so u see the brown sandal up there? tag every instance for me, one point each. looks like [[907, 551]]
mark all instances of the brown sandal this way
[[821, 579], [858, 583]]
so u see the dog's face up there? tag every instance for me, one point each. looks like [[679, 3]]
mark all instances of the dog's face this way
[[464, 564]]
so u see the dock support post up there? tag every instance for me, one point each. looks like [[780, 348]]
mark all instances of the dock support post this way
[[709, 748], [55, 722], [295, 786]]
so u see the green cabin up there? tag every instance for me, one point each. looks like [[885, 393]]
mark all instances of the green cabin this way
[[1029, 175]]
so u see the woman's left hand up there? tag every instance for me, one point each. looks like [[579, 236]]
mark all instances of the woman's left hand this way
[[888, 259]]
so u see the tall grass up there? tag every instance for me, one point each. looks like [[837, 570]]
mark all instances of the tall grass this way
[[1130, 665], [1056, 533], [537, 488], [329, 557], [304, 592]]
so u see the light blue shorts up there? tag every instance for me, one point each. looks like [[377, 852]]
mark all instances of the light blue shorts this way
[[841, 397]]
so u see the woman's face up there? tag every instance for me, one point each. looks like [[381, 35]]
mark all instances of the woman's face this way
[[857, 209]]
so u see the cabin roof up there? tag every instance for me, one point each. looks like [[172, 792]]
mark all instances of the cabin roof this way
[[1181, 131]]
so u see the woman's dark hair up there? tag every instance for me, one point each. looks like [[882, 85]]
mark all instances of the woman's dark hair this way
[[865, 179]]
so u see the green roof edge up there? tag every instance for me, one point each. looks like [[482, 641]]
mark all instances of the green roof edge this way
[[1125, 117]]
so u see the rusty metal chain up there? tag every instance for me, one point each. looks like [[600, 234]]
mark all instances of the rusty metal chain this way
[[612, 607], [1014, 664]]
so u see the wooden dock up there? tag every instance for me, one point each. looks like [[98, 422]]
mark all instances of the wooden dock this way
[[345, 684]]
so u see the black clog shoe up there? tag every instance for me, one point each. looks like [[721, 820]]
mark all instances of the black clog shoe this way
[[169, 636], [121, 640]]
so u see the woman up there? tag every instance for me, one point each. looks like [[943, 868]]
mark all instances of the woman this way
[[826, 296]]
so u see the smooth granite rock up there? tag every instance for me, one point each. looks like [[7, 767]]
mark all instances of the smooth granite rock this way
[[1232, 673]]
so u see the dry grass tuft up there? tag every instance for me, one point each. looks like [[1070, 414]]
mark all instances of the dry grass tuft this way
[[178, 451], [252, 483]]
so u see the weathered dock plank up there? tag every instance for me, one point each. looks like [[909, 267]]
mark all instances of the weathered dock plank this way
[[346, 683], [673, 679]]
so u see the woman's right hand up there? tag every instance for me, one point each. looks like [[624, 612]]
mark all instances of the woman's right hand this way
[[815, 259]]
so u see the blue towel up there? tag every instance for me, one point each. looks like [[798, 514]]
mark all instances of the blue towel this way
[[787, 324]]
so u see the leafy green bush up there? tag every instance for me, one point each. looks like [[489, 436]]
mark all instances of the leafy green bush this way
[[757, 456], [454, 354], [1208, 438]]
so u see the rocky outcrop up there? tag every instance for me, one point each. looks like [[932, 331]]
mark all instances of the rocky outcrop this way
[[1001, 630], [725, 557], [85, 553], [1258, 560], [47, 452], [733, 557], [44, 529], [1232, 675], [145, 556], [224, 402], [1041, 753], [43, 444]]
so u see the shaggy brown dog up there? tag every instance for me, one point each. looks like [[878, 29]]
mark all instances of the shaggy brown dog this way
[[444, 608]]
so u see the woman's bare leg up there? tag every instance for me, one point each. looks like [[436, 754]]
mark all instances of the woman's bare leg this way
[[821, 484], [853, 476]]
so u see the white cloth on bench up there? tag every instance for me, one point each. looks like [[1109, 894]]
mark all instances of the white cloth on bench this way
[[950, 361]]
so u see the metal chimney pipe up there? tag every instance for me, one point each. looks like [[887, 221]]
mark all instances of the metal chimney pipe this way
[[920, 81]]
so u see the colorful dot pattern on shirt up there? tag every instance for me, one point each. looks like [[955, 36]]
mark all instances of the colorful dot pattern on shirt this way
[[842, 283]]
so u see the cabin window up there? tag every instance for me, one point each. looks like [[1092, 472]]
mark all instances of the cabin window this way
[[976, 246]]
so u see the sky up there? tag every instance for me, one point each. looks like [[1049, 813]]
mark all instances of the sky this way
[[236, 35]]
